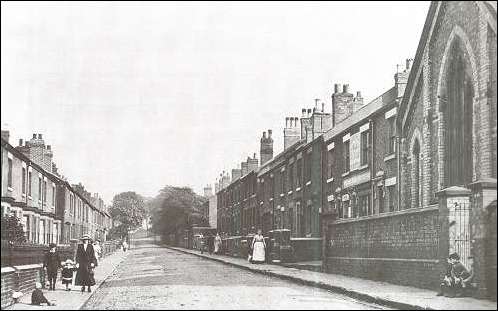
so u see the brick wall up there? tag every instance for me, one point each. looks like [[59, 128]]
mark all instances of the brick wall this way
[[8, 285], [402, 248], [19, 278]]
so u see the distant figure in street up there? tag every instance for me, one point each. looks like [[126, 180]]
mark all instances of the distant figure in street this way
[[217, 243], [456, 279], [37, 297], [67, 273], [85, 262], [52, 263], [258, 247], [125, 245], [201, 242], [98, 250], [210, 243]]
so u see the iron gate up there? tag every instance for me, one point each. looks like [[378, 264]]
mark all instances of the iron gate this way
[[459, 231]]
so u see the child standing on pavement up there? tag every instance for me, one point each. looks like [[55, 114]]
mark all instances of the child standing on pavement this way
[[67, 273]]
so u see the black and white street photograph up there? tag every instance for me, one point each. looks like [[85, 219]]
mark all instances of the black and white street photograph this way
[[248, 155]]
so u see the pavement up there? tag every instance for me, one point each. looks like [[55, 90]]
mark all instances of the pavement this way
[[74, 299], [382, 293], [154, 277]]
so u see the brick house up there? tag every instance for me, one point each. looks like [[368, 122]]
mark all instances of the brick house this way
[[50, 210], [29, 191]]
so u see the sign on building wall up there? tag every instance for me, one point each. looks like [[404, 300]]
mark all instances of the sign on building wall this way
[[354, 151]]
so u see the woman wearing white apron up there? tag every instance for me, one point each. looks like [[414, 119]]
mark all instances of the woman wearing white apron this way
[[258, 248]]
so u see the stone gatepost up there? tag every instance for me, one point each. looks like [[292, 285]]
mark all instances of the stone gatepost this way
[[483, 194], [454, 236]]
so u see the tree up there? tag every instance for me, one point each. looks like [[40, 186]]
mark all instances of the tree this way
[[128, 209], [12, 230], [175, 209]]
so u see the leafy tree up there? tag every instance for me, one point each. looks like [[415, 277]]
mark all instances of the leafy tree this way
[[12, 230], [128, 209], [176, 209]]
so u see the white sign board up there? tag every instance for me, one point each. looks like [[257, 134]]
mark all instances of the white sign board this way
[[354, 152]]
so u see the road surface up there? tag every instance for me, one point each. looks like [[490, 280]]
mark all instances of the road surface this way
[[153, 277]]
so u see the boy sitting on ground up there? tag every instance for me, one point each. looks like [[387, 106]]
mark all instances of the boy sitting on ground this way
[[456, 279], [37, 297]]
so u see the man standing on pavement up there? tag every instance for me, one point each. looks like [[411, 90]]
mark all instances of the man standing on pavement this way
[[52, 263]]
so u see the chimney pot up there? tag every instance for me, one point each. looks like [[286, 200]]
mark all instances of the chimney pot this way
[[303, 113], [48, 147], [264, 134], [323, 107], [39, 136], [34, 136], [286, 121], [296, 120], [345, 88], [358, 94], [309, 112], [269, 133], [20, 142], [337, 88], [254, 155]]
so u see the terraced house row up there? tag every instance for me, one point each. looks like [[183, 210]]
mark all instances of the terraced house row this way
[[387, 189], [50, 209]]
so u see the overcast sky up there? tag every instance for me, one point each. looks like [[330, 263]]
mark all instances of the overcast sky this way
[[136, 96]]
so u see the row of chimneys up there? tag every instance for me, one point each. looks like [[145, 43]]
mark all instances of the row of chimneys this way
[[343, 105]]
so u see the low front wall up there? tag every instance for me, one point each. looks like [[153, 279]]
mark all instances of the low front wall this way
[[20, 279], [306, 249], [400, 247]]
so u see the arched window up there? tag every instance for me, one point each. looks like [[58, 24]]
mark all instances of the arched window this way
[[458, 116], [416, 173]]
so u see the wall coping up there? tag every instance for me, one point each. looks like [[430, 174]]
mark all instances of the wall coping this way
[[454, 191], [485, 183], [27, 267], [435, 261], [305, 239], [7, 270], [429, 208]]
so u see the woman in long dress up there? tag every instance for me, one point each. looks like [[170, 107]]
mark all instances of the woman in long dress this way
[[217, 243], [85, 261], [258, 248]]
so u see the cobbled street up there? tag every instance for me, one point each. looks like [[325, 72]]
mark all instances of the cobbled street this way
[[153, 277]]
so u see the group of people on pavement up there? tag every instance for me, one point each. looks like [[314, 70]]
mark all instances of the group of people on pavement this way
[[256, 253], [86, 259]]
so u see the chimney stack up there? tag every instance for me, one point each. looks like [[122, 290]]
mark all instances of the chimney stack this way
[[408, 63], [5, 135], [20, 142], [39, 136], [309, 113], [342, 104], [345, 88], [266, 147], [303, 113], [34, 136], [48, 147]]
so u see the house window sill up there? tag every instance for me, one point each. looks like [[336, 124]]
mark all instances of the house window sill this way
[[290, 192], [281, 195], [346, 174], [331, 179], [298, 189], [10, 189], [308, 183]]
